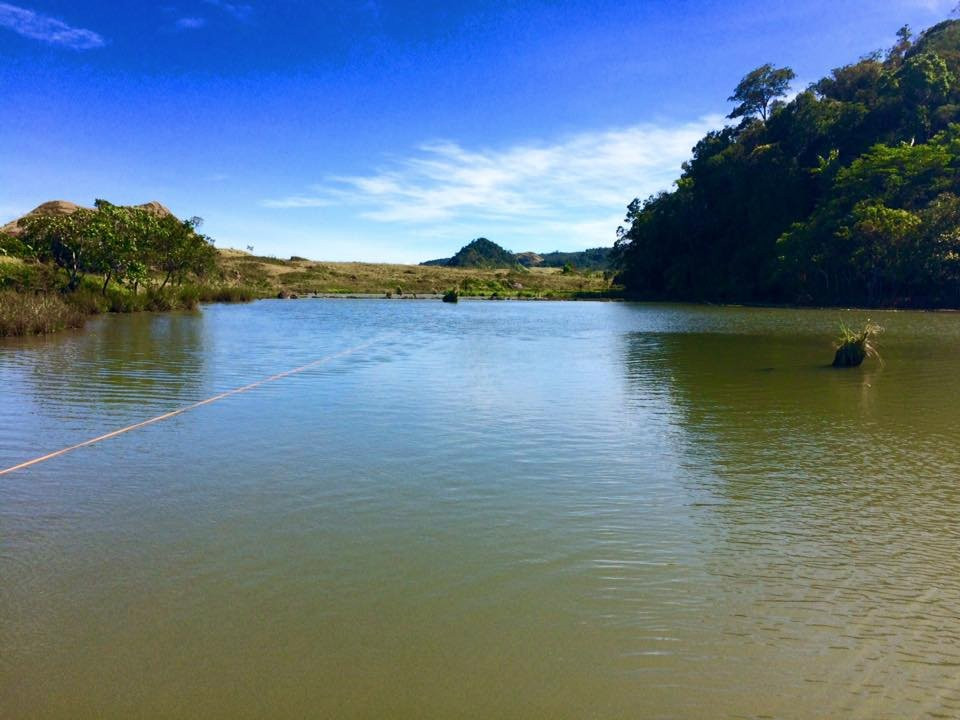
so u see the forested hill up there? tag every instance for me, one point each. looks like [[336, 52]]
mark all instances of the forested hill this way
[[848, 194], [483, 253]]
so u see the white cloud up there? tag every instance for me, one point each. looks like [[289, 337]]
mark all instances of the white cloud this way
[[575, 189], [47, 29], [241, 11], [191, 23]]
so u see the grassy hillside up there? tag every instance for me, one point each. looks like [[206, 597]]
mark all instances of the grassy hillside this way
[[271, 276]]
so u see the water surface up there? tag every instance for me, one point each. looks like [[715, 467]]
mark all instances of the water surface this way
[[530, 510]]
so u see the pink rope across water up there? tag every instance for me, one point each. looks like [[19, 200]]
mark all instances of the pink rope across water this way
[[180, 411]]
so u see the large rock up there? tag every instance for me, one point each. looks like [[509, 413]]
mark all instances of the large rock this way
[[530, 259], [54, 207], [156, 208]]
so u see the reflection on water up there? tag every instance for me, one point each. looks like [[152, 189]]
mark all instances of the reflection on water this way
[[493, 509], [836, 500]]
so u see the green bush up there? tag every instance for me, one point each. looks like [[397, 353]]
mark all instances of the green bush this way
[[120, 300], [225, 293], [188, 297], [13, 247], [89, 302]]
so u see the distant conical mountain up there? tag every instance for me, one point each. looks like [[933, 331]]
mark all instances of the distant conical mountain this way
[[483, 253]]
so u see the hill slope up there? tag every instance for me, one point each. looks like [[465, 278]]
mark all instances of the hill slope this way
[[483, 253]]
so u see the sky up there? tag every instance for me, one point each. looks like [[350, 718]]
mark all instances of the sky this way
[[393, 131]]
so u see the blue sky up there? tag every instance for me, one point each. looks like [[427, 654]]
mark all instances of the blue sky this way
[[391, 131]]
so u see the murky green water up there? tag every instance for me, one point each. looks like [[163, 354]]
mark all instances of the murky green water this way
[[515, 510]]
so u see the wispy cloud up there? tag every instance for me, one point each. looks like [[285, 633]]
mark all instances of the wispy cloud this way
[[576, 187], [241, 11], [47, 29], [191, 23]]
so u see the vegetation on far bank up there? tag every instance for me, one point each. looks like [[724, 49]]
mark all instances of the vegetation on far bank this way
[[271, 276], [61, 267], [849, 194]]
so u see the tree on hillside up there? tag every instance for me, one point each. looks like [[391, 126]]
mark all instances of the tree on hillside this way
[[848, 195], [904, 42], [125, 245], [177, 248], [69, 240], [120, 231], [757, 91], [925, 82]]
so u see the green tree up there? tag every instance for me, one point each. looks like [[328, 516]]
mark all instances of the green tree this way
[[120, 232], [925, 81], [850, 193], [176, 248], [69, 240], [759, 89]]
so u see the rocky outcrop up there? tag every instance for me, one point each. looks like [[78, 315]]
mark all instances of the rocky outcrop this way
[[530, 259]]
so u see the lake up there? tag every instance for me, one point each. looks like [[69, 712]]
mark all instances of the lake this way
[[513, 510]]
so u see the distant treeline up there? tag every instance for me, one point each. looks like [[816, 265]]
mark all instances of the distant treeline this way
[[484, 253], [847, 194]]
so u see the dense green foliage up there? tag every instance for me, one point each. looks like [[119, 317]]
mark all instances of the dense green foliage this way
[[128, 245], [592, 259], [480, 253], [849, 193], [483, 253], [108, 259]]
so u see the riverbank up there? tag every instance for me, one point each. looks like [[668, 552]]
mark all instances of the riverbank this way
[[35, 299]]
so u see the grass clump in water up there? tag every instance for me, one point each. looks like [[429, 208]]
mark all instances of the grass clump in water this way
[[451, 296], [35, 314], [856, 345]]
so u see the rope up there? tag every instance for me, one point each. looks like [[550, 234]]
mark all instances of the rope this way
[[188, 408]]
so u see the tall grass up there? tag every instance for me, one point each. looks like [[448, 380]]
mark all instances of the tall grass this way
[[24, 312], [224, 293], [32, 314]]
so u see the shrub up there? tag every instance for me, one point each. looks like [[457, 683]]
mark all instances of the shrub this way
[[188, 297], [120, 300], [160, 301], [13, 247], [225, 293], [88, 301]]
